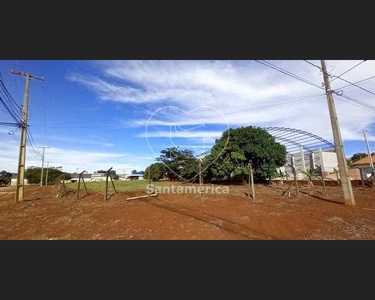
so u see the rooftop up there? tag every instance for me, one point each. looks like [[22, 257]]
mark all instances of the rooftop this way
[[364, 161]]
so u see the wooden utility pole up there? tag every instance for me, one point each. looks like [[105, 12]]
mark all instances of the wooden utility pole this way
[[79, 183], [41, 174], [22, 152], [106, 184], [346, 184]]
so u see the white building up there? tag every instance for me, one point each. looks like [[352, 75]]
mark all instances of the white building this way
[[135, 176], [324, 159], [14, 181]]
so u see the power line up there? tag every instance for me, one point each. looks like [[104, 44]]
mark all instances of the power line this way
[[350, 83], [314, 65], [8, 94], [354, 100], [339, 76], [10, 110], [19, 92], [349, 70], [20, 62], [361, 81], [32, 145], [9, 103], [9, 124], [290, 74]]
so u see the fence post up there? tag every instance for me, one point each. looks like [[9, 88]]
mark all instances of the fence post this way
[[294, 174], [106, 184], [113, 184], [362, 177], [200, 177], [252, 181], [79, 183]]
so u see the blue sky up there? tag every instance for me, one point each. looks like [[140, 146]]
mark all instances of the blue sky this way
[[101, 114]]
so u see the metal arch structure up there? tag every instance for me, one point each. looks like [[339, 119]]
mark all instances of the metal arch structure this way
[[293, 139]]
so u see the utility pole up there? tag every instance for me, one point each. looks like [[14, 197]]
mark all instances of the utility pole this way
[[341, 159], [41, 175], [47, 172], [368, 150], [22, 152], [303, 159]]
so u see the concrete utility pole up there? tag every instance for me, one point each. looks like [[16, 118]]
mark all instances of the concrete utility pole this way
[[22, 152], [47, 172], [341, 159], [303, 159], [368, 150], [41, 175]]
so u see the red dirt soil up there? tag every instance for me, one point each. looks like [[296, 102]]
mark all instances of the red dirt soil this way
[[311, 216]]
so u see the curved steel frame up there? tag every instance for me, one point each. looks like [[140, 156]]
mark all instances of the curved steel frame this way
[[293, 139]]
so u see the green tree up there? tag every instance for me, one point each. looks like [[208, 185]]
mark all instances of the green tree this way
[[178, 163], [157, 172], [238, 147], [355, 157], [5, 177], [311, 173], [32, 174]]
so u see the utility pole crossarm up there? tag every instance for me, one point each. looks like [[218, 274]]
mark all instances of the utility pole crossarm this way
[[21, 73]]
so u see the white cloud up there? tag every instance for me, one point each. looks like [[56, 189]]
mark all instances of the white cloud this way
[[72, 159], [79, 141], [182, 134], [246, 92]]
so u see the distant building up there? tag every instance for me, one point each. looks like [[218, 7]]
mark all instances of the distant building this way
[[326, 160], [134, 176], [102, 177], [86, 177], [13, 181], [98, 176], [364, 164]]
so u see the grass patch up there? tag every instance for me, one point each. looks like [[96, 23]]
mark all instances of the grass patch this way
[[121, 186]]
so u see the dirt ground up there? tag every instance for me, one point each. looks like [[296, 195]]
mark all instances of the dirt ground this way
[[311, 216]]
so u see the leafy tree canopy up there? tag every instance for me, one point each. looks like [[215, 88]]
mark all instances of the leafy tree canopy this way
[[178, 163], [238, 147], [32, 174], [157, 171]]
